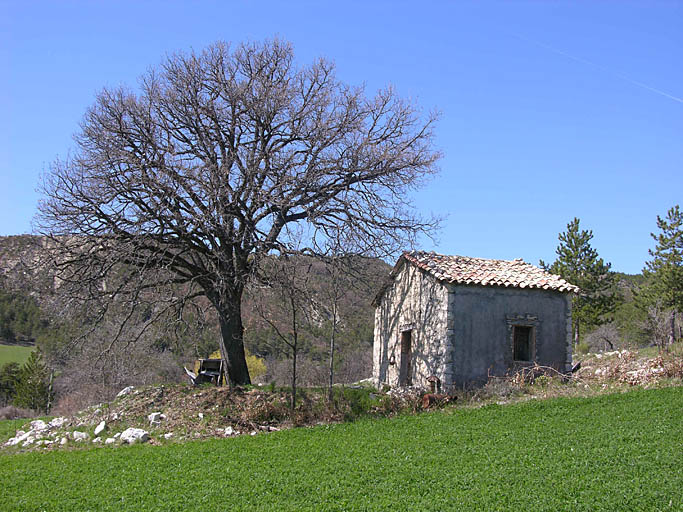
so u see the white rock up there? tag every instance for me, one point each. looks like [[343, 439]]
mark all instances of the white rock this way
[[109, 440], [97, 440], [154, 418], [115, 416], [201, 415], [38, 425], [168, 435], [229, 431], [117, 435], [134, 435], [100, 427], [125, 391], [79, 436], [162, 417], [24, 436], [63, 441], [29, 440], [253, 433], [273, 429]]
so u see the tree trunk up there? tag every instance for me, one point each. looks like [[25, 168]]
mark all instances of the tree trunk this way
[[672, 327], [332, 340], [294, 354], [232, 334], [576, 334]]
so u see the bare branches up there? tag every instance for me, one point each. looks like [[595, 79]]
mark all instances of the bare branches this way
[[202, 172]]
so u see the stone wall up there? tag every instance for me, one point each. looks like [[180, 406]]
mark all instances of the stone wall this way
[[418, 303], [482, 322]]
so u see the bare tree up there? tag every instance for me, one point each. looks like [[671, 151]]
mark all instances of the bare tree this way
[[288, 283], [192, 180]]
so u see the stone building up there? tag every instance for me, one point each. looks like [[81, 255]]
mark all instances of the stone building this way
[[459, 320]]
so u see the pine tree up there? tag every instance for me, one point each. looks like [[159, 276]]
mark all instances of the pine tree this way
[[664, 272], [33, 390], [9, 377], [578, 263]]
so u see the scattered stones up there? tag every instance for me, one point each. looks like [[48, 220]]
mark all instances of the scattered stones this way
[[273, 429], [57, 422], [117, 435], [79, 436], [253, 433], [134, 435], [38, 425], [229, 431], [19, 437], [168, 435], [100, 428], [154, 418], [29, 440], [200, 415], [63, 441], [97, 440], [109, 440], [125, 391]]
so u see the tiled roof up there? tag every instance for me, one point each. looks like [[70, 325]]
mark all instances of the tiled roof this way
[[483, 272]]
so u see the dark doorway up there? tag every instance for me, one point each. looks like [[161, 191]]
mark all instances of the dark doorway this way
[[405, 376], [522, 341]]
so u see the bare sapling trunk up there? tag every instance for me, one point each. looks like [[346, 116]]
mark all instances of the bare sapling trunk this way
[[294, 346], [294, 356], [672, 327], [332, 340]]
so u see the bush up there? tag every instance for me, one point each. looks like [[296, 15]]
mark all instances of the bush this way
[[582, 348], [15, 413]]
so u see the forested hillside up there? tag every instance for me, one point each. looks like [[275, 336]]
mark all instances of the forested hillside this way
[[90, 367]]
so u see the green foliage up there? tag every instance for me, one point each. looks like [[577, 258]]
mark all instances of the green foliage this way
[[9, 380], [582, 348], [664, 272], [578, 263], [20, 317], [608, 453], [33, 387]]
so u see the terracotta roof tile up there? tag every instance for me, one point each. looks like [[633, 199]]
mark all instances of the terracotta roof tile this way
[[465, 270]]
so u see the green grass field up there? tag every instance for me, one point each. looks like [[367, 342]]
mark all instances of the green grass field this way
[[611, 452], [14, 353]]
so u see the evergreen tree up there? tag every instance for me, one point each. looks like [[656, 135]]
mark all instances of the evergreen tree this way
[[578, 263], [9, 378], [33, 390], [664, 272]]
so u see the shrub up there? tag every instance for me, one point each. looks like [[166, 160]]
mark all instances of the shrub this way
[[15, 413]]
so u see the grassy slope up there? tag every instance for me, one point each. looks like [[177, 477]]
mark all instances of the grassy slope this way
[[612, 452], [14, 353]]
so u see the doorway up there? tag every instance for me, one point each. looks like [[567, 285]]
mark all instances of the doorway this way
[[405, 376]]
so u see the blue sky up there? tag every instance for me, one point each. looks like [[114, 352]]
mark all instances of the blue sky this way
[[550, 110]]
